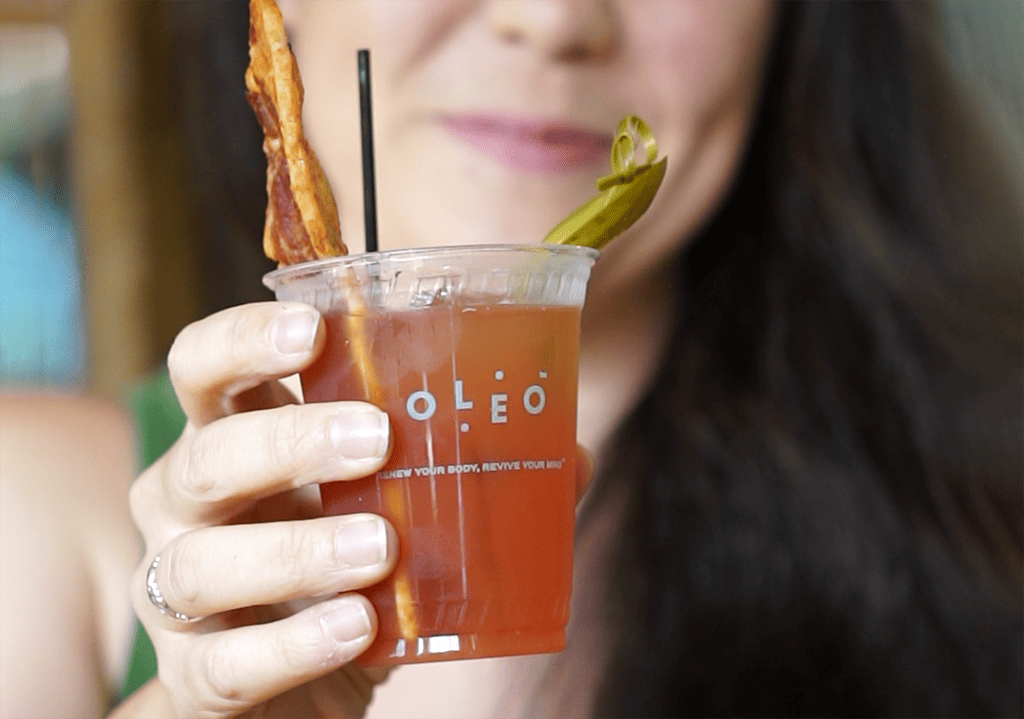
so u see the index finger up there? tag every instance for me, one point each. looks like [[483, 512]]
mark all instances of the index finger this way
[[219, 357]]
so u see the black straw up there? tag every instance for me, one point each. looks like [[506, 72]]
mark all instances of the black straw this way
[[366, 122]]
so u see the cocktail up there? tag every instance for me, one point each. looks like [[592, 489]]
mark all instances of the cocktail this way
[[473, 353]]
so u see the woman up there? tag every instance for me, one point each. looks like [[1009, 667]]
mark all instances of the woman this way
[[803, 504]]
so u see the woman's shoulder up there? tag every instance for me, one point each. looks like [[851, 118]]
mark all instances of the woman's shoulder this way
[[68, 548], [67, 413], [68, 448]]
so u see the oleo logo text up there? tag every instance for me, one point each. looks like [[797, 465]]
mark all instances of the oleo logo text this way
[[422, 404]]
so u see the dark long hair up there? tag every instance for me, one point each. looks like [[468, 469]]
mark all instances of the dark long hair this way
[[822, 507], [210, 43], [821, 501]]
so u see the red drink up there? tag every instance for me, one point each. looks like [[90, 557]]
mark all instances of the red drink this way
[[480, 485], [473, 353]]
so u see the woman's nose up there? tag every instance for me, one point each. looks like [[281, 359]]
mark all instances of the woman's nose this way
[[564, 30]]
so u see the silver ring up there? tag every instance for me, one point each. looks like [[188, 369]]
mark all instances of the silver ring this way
[[157, 597]]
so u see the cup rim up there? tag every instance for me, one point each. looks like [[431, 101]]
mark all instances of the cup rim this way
[[290, 272]]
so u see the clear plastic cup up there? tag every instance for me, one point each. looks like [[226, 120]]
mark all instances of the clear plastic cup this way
[[473, 352]]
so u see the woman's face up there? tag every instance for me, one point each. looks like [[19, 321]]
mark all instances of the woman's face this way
[[493, 119]]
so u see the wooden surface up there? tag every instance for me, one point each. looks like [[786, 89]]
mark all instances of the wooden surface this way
[[133, 209]]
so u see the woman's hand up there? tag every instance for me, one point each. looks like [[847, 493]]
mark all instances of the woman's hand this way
[[240, 539]]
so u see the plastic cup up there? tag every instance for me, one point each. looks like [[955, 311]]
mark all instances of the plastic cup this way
[[473, 352]]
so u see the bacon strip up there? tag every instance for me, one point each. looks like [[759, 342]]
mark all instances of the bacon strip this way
[[302, 217]]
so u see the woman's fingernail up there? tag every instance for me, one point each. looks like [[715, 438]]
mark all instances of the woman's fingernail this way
[[347, 622], [362, 542], [294, 332], [362, 434]]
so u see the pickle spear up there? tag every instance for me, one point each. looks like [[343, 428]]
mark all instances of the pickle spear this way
[[625, 194]]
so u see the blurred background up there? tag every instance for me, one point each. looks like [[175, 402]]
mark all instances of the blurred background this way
[[100, 211], [95, 250]]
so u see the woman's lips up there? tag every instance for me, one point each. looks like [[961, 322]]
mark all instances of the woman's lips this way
[[530, 145]]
